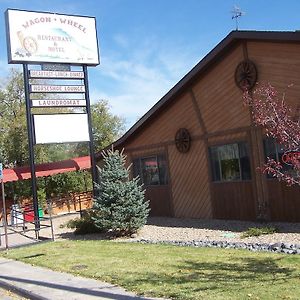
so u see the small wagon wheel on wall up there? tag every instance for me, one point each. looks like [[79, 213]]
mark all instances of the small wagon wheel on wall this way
[[183, 140], [245, 75]]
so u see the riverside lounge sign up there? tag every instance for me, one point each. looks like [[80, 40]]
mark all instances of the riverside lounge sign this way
[[36, 37]]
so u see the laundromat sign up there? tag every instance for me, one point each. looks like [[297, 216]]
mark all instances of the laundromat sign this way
[[38, 37]]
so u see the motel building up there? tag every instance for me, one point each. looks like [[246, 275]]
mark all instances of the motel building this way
[[197, 150]]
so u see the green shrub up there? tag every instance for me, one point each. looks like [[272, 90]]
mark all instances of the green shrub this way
[[257, 231], [83, 225]]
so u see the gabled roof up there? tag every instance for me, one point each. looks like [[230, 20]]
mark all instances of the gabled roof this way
[[212, 57]]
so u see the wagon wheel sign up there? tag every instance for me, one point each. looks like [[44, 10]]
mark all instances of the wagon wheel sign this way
[[245, 75], [183, 140]]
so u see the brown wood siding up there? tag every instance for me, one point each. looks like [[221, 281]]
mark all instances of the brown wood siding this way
[[159, 198], [180, 113], [284, 201], [233, 200], [227, 139], [212, 109], [280, 69], [219, 100], [145, 152], [190, 184]]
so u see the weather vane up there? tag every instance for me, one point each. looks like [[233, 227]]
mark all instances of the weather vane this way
[[236, 13]]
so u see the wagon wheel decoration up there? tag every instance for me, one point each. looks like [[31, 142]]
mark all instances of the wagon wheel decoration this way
[[245, 75], [183, 140]]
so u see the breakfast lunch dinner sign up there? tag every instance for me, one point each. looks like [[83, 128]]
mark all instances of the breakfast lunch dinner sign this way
[[36, 37]]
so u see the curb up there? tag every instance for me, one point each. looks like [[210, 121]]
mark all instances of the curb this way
[[283, 248], [20, 291]]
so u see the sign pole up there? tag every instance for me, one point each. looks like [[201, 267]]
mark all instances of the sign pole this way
[[31, 150], [91, 142], [4, 214]]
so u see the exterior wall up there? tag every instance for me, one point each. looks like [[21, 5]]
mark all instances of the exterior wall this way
[[190, 183], [283, 201], [211, 108], [184, 200], [180, 113], [281, 70], [203, 109], [234, 200], [219, 99], [160, 196]]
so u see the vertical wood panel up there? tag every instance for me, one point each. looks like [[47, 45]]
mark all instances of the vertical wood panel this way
[[284, 201], [234, 200], [159, 200]]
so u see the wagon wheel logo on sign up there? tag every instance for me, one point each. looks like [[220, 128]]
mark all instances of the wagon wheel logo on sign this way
[[28, 43]]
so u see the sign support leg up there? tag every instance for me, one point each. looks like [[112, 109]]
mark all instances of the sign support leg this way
[[31, 151], [4, 215], [91, 142]]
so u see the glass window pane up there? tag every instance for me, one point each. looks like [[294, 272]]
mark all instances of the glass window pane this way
[[280, 152], [136, 167], [214, 161], [163, 169], [150, 171], [244, 161], [270, 148], [275, 151], [229, 160]]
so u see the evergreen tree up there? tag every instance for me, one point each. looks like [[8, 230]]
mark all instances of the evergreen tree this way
[[120, 205]]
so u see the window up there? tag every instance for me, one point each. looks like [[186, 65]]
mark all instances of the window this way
[[152, 170], [230, 162], [275, 151]]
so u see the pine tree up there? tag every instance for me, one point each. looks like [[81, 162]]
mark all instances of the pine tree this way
[[119, 206]]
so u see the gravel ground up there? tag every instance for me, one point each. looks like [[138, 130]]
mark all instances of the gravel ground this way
[[176, 229], [173, 229]]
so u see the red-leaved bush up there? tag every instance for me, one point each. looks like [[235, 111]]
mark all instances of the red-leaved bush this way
[[271, 112]]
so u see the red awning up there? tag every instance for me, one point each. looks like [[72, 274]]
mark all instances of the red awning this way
[[48, 169]]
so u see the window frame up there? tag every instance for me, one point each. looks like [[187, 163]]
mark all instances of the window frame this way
[[279, 151], [140, 168], [221, 180]]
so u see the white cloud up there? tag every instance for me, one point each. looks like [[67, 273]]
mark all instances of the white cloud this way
[[133, 84]]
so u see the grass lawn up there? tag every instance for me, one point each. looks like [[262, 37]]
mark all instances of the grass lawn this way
[[172, 271]]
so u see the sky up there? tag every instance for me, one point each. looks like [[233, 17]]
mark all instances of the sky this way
[[147, 46]]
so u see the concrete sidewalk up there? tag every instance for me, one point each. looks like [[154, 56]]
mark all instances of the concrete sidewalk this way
[[41, 283]]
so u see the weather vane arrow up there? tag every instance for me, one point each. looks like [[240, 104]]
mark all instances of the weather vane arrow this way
[[236, 13]]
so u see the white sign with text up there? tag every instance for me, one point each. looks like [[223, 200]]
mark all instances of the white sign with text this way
[[48, 37]]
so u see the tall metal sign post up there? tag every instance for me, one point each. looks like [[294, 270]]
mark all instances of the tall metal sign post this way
[[55, 50], [4, 208]]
